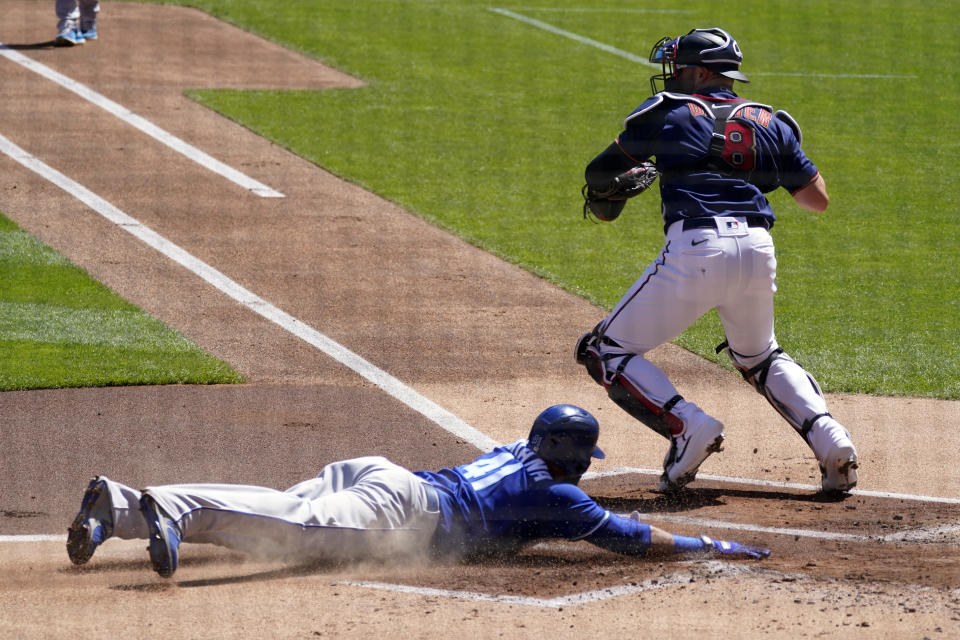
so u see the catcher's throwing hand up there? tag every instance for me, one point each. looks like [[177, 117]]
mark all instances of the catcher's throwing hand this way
[[607, 204]]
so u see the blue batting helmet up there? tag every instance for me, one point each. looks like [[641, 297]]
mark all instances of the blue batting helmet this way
[[566, 436]]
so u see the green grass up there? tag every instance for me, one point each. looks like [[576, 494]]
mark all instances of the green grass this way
[[482, 124], [61, 328]]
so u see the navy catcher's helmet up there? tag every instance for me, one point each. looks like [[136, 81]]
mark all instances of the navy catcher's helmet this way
[[713, 48], [566, 437]]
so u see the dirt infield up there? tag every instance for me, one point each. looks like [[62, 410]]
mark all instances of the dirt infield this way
[[484, 340]]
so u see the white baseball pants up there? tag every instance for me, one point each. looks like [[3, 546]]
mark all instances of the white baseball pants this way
[[364, 508], [731, 268]]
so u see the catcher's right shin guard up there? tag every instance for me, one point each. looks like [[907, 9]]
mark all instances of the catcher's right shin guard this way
[[622, 390], [796, 396], [787, 386]]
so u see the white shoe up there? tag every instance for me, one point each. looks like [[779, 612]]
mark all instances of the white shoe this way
[[839, 470], [688, 451], [835, 453]]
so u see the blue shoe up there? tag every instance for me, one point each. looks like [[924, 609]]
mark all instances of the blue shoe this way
[[93, 524], [164, 537], [90, 33], [68, 38]]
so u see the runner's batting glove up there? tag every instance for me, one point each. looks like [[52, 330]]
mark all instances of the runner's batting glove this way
[[734, 548]]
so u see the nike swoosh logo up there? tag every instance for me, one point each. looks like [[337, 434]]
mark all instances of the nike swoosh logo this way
[[681, 453], [696, 242]]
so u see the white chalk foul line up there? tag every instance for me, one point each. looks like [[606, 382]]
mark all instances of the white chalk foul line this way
[[573, 36], [557, 602], [716, 568], [603, 10], [142, 124], [632, 57], [378, 377], [619, 471], [34, 538]]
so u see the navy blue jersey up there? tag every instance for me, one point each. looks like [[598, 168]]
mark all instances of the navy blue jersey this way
[[676, 130], [507, 498]]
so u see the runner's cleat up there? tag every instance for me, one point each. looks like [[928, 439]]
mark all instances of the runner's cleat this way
[[93, 523], [164, 537]]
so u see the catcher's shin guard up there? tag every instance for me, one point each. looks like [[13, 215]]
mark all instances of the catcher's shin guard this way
[[587, 353], [796, 396], [629, 398], [623, 391], [789, 389]]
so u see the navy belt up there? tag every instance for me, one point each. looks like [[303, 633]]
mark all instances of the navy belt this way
[[711, 223]]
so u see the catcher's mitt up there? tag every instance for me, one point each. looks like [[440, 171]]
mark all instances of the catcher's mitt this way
[[606, 205]]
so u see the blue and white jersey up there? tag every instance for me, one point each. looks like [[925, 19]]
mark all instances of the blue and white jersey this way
[[676, 129], [507, 498]]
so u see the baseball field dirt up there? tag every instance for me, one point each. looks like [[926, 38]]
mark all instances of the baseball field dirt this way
[[486, 341]]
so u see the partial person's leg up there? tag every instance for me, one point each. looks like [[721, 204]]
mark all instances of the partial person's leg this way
[[68, 17], [748, 321], [88, 18], [342, 513], [649, 314], [107, 509]]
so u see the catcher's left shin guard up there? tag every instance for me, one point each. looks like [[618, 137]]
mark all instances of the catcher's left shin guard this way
[[623, 391], [587, 353], [629, 398]]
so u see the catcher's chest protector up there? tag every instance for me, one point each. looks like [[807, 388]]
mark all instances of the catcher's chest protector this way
[[732, 143], [732, 147]]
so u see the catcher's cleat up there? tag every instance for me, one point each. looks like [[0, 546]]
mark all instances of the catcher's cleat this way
[[164, 537], [93, 523], [839, 472], [688, 451]]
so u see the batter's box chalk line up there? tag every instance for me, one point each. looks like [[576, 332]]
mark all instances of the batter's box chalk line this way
[[712, 569]]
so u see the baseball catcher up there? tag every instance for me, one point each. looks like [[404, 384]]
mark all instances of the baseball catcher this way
[[716, 155]]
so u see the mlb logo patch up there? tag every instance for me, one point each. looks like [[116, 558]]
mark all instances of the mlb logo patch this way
[[731, 226]]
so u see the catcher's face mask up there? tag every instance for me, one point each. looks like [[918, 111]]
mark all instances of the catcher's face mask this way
[[664, 52]]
